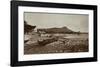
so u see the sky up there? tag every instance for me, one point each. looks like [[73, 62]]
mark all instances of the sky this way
[[75, 22]]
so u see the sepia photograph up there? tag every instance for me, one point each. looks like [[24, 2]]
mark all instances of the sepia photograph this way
[[52, 33], [46, 33]]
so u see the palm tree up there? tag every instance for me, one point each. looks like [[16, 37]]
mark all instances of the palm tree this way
[[28, 28]]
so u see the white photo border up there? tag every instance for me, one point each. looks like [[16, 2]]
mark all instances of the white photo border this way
[[22, 57]]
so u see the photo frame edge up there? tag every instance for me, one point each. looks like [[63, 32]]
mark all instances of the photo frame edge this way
[[14, 50]]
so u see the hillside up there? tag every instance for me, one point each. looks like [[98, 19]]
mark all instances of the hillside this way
[[56, 30]]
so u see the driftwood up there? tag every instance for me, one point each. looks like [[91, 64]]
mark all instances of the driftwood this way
[[25, 41], [47, 41]]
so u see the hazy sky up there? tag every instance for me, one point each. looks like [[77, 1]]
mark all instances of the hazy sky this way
[[74, 22]]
